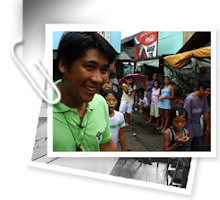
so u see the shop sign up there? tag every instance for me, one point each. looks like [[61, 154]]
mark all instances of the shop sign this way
[[145, 45]]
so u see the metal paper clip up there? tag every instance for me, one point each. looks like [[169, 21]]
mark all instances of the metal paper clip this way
[[31, 79]]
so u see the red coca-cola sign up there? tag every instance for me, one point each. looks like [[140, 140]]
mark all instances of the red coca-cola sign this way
[[147, 38]]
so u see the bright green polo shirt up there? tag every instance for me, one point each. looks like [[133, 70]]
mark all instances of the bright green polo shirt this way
[[94, 129]]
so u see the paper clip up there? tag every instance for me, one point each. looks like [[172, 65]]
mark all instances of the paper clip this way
[[31, 79]]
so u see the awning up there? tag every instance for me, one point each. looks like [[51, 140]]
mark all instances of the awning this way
[[182, 59], [198, 40]]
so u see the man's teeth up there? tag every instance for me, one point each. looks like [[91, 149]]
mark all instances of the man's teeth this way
[[91, 89]]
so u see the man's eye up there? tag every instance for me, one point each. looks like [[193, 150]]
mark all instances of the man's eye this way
[[89, 67], [104, 70]]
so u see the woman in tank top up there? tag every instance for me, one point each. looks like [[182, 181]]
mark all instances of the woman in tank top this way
[[166, 95]]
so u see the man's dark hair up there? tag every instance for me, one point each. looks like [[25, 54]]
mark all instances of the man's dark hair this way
[[159, 83], [205, 84], [109, 91], [74, 44], [177, 111]]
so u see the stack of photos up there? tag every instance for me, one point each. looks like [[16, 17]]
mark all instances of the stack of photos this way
[[134, 110]]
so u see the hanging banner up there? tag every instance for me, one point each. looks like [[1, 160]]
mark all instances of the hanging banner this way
[[145, 45]]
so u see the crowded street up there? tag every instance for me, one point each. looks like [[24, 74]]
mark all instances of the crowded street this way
[[158, 94]]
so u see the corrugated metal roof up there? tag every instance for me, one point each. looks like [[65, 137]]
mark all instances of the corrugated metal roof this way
[[124, 56], [127, 39]]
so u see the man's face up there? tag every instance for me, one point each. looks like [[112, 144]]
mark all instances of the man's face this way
[[205, 92], [86, 76]]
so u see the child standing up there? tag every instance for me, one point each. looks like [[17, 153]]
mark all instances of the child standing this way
[[154, 109], [127, 99], [167, 94], [117, 121], [176, 136]]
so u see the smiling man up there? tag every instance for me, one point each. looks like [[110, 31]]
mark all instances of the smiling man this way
[[80, 119]]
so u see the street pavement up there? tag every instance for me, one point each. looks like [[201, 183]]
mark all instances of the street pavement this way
[[141, 136]]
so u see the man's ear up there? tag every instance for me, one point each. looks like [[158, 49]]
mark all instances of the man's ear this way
[[62, 66]]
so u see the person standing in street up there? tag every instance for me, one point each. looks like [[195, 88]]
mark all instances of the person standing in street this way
[[127, 99], [114, 81], [117, 121], [196, 105], [154, 109], [167, 94], [81, 119], [155, 78]]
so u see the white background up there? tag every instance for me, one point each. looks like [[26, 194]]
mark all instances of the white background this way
[[20, 109]]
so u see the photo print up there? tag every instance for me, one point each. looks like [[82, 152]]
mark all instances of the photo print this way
[[147, 115], [154, 165], [169, 172]]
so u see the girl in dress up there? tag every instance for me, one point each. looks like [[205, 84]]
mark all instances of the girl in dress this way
[[166, 95]]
